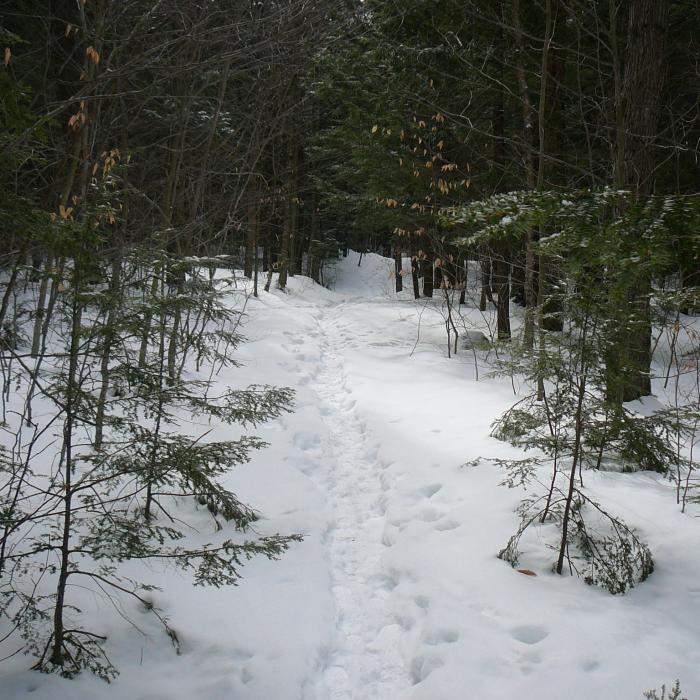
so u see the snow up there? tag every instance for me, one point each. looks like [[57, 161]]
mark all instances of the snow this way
[[396, 592]]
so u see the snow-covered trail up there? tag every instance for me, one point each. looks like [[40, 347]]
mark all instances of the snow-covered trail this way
[[396, 591], [365, 659]]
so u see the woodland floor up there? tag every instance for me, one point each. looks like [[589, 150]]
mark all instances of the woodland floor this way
[[396, 592]]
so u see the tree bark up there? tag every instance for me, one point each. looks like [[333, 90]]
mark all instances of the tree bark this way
[[501, 286], [398, 268], [57, 656], [251, 231], [529, 149], [414, 276], [643, 85]]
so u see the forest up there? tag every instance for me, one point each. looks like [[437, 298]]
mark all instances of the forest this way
[[345, 322]]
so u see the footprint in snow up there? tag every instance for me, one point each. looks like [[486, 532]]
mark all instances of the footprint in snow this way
[[422, 602], [447, 525], [307, 441], [380, 505], [445, 636], [429, 491], [423, 666], [406, 622], [389, 536], [430, 515], [529, 634], [370, 453]]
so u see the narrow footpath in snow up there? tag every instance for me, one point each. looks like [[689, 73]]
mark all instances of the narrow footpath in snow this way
[[366, 653]]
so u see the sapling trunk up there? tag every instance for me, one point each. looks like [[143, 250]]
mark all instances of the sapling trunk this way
[[107, 344], [542, 350], [174, 335], [578, 435], [57, 656], [255, 263], [555, 464], [153, 460], [269, 279], [449, 322], [251, 232], [147, 317], [53, 295], [691, 463], [39, 312], [9, 290]]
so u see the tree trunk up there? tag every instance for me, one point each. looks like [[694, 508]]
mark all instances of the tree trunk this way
[[529, 148], [256, 263], [643, 84], [398, 269], [9, 289], [251, 231], [501, 286], [427, 269], [287, 244], [414, 276], [58, 650], [148, 302], [40, 311], [501, 262], [107, 343]]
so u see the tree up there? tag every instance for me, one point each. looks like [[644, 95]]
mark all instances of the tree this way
[[569, 418]]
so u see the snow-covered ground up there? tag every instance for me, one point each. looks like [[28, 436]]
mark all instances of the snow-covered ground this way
[[396, 592]]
